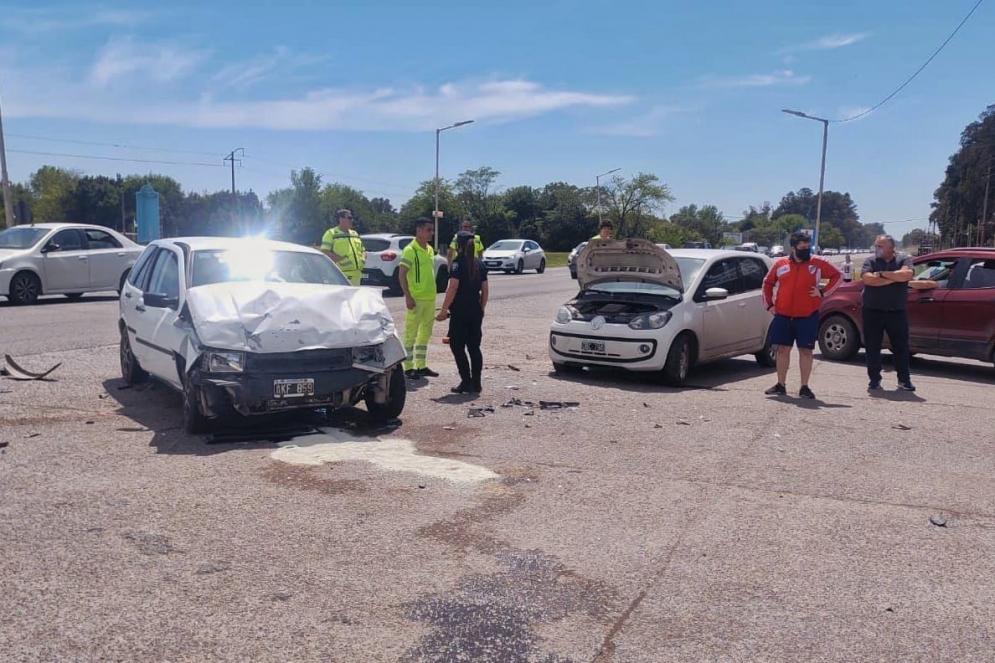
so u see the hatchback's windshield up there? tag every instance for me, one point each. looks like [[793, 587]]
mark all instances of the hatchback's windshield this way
[[216, 266], [506, 245], [20, 238]]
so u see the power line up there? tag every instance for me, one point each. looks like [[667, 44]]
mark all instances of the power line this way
[[116, 145], [104, 158], [917, 72]]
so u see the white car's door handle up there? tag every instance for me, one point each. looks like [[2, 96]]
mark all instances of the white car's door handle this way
[[121, 253], [82, 257], [742, 305]]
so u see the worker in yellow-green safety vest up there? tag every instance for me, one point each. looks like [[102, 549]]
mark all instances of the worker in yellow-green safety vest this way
[[416, 274], [343, 245], [604, 232], [478, 245]]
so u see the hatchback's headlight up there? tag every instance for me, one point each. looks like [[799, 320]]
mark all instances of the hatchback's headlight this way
[[225, 362], [565, 314], [651, 320]]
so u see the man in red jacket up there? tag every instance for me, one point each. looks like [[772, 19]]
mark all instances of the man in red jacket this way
[[795, 303]]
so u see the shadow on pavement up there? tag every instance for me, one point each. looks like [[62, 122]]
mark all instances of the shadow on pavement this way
[[713, 377], [55, 300], [932, 366], [157, 408], [897, 396]]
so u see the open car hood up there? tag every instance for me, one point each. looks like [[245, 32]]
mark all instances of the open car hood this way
[[627, 260], [285, 317]]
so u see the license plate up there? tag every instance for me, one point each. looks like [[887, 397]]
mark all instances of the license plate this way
[[492, 264], [365, 277], [293, 388], [592, 346]]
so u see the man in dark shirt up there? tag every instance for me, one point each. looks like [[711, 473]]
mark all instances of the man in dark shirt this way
[[886, 276]]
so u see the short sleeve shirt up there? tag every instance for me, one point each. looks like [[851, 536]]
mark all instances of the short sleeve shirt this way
[[890, 297], [468, 293], [421, 271]]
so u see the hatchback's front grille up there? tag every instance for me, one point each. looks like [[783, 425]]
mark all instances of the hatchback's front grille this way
[[311, 360]]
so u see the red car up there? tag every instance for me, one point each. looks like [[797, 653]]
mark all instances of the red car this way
[[956, 319]]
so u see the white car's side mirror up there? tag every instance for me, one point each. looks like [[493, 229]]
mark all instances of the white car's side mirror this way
[[716, 293]]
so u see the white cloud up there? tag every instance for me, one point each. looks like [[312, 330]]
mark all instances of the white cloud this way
[[783, 77], [161, 61], [33, 22], [244, 75], [828, 42], [642, 126]]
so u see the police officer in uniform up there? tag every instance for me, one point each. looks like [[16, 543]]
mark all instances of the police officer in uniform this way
[[478, 245], [343, 245], [466, 299]]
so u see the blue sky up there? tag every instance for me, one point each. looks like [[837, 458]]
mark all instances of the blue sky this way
[[559, 91]]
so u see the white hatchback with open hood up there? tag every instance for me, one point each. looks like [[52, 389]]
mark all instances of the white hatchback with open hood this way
[[643, 308]]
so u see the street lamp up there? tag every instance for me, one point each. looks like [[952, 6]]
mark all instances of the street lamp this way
[[436, 214], [597, 183], [822, 176]]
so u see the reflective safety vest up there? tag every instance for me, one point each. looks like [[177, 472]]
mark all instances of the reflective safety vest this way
[[421, 270], [478, 246], [345, 244]]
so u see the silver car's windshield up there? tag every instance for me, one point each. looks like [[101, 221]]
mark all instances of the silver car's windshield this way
[[505, 245], [21, 238], [217, 266]]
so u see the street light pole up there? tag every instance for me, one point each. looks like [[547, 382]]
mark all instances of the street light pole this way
[[597, 184], [436, 214], [822, 174], [8, 198]]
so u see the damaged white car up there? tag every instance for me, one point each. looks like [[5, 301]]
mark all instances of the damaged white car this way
[[643, 308], [254, 327]]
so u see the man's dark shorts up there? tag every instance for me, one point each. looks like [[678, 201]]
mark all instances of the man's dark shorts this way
[[787, 331]]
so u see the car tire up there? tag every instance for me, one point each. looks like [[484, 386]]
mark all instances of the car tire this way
[[838, 338], [394, 290], [768, 356], [74, 296], [679, 359], [194, 421], [25, 288], [567, 369], [131, 370], [397, 394], [573, 275], [520, 267], [441, 280], [542, 266]]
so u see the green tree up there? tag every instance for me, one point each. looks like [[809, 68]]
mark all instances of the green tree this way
[[52, 190], [296, 213], [959, 201], [422, 203], [707, 222], [631, 203]]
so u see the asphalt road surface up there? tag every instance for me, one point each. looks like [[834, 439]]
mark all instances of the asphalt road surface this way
[[645, 524]]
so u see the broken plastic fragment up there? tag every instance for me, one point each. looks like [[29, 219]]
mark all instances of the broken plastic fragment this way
[[16, 372]]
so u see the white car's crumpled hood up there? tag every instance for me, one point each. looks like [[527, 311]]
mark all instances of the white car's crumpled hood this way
[[627, 260], [285, 317]]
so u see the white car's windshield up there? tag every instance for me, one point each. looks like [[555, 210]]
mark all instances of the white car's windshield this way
[[21, 238], [633, 288], [505, 245], [217, 266]]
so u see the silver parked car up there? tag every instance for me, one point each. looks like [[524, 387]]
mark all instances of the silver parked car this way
[[515, 255], [63, 259]]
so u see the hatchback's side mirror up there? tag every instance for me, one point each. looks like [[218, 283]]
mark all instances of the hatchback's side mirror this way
[[716, 293], [160, 301], [51, 247]]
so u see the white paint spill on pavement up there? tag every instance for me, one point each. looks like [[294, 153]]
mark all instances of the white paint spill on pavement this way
[[394, 454]]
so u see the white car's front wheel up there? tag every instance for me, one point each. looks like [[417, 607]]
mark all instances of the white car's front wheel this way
[[675, 371], [194, 421]]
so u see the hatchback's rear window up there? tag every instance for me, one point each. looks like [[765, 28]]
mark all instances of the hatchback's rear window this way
[[375, 245]]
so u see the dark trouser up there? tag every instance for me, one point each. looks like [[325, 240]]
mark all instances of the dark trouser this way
[[896, 323], [465, 335]]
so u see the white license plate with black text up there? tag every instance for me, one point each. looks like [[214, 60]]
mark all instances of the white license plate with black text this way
[[293, 388], [592, 346]]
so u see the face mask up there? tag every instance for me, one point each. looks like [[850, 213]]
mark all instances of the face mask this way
[[803, 254], [879, 252]]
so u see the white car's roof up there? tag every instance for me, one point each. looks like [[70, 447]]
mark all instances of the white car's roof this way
[[709, 253], [227, 243], [384, 235], [57, 226]]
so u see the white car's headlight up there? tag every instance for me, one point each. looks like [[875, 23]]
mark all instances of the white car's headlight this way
[[651, 320], [225, 362], [565, 314]]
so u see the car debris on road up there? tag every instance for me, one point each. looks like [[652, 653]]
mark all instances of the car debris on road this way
[[14, 371]]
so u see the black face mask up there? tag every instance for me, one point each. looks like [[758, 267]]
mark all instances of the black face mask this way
[[803, 255]]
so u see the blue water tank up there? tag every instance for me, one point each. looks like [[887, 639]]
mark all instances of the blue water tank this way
[[147, 214]]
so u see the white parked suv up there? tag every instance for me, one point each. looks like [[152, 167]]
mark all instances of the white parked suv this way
[[249, 327], [383, 257], [642, 308]]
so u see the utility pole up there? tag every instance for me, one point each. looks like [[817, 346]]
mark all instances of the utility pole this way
[[234, 195], [8, 197], [984, 207]]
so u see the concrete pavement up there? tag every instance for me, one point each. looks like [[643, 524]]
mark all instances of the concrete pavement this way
[[648, 524]]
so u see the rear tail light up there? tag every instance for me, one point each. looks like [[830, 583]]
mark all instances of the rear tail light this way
[[388, 256]]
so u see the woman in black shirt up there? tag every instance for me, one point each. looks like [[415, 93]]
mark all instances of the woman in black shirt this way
[[466, 299]]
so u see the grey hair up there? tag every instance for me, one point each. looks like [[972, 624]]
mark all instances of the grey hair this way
[[889, 239]]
